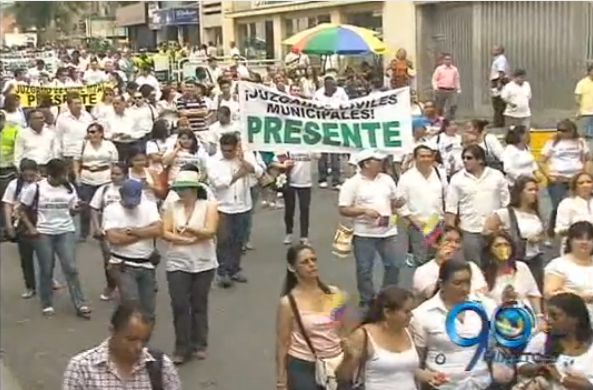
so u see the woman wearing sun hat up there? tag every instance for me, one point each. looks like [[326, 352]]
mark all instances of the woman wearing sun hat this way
[[190, 225]]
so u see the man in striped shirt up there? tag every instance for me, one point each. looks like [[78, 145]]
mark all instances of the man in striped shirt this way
[[194, 107]]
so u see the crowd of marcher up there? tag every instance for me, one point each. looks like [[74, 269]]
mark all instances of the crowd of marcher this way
[[161, 162]]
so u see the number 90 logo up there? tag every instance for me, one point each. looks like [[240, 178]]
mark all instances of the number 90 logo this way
[[510, 327]]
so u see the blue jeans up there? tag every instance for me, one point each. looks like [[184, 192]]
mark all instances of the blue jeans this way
[[365, 250], [587, 122], [232, 230], [557, 192], [64, 246], [136, 284], [300, 374]]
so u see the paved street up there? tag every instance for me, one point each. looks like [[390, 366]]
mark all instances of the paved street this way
[[242, 323]]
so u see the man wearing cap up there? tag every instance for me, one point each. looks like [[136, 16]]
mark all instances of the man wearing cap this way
[[370, 198], [193, 106], [8, 134], [131, 228], [330, 95]]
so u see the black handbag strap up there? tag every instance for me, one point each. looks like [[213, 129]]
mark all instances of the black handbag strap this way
[[515, 232], [155, 369], [297, 316], [360, 377]]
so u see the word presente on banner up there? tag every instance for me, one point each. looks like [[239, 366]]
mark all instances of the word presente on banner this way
[[30, 96], [272, 121]]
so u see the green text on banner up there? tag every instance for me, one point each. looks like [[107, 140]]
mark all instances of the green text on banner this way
[[272, 121]]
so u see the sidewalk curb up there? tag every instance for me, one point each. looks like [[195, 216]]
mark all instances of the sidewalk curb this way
[[7, 379]]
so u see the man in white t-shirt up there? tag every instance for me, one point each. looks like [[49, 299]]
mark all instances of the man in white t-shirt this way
[[94, 75], [517, 95], [369, 197], [131, 227]]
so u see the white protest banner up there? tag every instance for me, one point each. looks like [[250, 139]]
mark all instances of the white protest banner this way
[[273, 121]]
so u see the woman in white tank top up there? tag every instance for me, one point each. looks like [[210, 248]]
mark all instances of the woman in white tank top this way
[[381, 353], [190, 225]]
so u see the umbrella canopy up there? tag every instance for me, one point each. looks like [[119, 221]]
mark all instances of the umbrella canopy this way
[[344, 39]]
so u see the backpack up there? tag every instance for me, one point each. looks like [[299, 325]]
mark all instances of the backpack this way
[[155, 369], [31, 211]]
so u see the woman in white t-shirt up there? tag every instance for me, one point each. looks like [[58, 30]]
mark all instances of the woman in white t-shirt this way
[[487, 141], [448, 143], [565, 351], [578, 206], [190, 225], [436, 349], [104, 196], [527, 232], [167, 107], [105, 108], [15, 229], [187, 150], [140, 172], [517, 159], [91, 168], [573, 272], [298, 167], [565, 156], [157, 145], [55, 200], [382, 350], [508, 279]]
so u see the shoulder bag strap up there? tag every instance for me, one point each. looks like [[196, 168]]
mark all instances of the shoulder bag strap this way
[[155, 369], [297, 316], [360, 377], [514, 223]]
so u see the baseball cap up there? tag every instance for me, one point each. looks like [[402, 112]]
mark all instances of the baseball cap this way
[[369, 154], [131, 193]]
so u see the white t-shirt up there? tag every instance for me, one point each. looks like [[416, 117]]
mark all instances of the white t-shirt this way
[[10, 196], [427, 275], [183, 157], [565, 157], [97, 158], [578, 365], [573, 209], [522, 282], [53, 207], [94, 76], [376, 194], [518, 162], [104, 196], [517, 98], [116, 216], [530, 225], [576, 277], [449, 147], [300, 173]]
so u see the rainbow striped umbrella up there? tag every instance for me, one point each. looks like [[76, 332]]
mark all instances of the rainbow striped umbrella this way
[[344, 39]]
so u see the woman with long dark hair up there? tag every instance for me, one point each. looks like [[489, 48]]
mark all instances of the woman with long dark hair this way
[[508, 279], [522, 221], [381, 351], [566, 349], [436, 349], [562, 158], [487, 141], [28, 175], [104, 196], [55, 201], [573, 271], [91, 169], [309, 322], [187, 150]]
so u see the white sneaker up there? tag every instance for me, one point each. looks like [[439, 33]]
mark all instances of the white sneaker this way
[[305, 241], [322, 184], [287, 239], [264, 203], [48, 311]]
